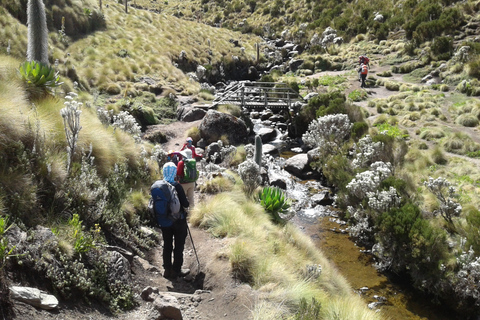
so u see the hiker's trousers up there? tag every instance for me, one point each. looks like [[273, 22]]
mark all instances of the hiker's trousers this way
[[177, 234], [189, 189]]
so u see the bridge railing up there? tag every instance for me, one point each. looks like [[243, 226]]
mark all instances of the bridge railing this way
[[259, 95]]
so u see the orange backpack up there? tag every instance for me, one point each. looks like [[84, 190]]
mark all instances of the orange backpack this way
[[364, 69]]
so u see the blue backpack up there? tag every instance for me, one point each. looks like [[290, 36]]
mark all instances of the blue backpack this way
[[164, 204]]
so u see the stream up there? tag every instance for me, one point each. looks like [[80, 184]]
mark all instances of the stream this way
[[394, 299]]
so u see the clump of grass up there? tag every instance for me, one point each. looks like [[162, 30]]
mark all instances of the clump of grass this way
[[438, 156], [392, 86], [193, 133], [467, 120], [432, 133], [231, 109], [217, 185]]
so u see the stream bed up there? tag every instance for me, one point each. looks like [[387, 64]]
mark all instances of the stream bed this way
[[394, 299]]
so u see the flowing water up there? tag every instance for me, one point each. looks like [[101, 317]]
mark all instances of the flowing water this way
[[396, 301]]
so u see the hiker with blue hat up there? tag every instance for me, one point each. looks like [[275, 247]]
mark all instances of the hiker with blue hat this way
[[177, 232]]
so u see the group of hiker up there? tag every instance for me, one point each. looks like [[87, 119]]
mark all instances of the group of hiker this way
[[364, 64], [171, 197]]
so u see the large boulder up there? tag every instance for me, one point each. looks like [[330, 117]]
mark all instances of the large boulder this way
[[216, 124]]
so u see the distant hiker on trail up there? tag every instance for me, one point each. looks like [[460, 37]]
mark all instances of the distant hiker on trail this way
[[177, 232], [187, 174], [363, 60], [189, 145], [363, 71]]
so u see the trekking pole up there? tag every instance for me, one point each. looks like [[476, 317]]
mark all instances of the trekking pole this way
[[194, 250]]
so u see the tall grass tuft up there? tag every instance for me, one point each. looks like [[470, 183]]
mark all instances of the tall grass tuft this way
[[274, 259]]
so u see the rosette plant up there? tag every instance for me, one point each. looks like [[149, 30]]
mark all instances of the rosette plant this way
[[276, 203]]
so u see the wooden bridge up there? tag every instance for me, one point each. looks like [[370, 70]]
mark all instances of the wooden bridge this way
[[260, 95]]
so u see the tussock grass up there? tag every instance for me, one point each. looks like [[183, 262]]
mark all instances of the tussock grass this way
[[216, 185], [234, 110], [467, 120], [272, 258], [193, 133], [432, 133]]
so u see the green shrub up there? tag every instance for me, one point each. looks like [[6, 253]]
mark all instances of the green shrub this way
[[308, 311], [412, 244], [357, 95], [442, 48], [359, 129], [391, 130]]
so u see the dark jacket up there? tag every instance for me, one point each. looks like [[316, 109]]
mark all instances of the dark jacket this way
[[181, 196]]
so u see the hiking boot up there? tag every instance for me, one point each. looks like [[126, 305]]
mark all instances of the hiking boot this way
[[169, 274], [182, 272]]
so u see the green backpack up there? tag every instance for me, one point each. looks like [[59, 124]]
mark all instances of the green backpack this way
[[190, 170]]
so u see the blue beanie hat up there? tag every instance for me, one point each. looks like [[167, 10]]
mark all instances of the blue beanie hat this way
[[169, 172]]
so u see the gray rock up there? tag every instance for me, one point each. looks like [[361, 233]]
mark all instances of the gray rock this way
[[146, 294], [295, 64], [149, 234], [118, 268], [310, 96], [270, 149], [216, 124], [426, 78], [277, 118], [145, 265], [266, 114], [254, 115], [267, 134], [193, 114], [297, 165], [281, 126], [168, 307], [288, 46], [201, 144], [34, 297], [212, 148], [378, 18], [279, 183], [127, 254], [313, 155]]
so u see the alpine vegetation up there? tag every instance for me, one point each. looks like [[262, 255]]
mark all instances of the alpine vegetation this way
[[328, 131], [249, 171], [366, 152], [37, 32], [126, 122], [446, 195], [71, 121]]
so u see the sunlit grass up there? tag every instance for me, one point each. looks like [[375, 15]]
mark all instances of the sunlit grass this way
[[271, 258]]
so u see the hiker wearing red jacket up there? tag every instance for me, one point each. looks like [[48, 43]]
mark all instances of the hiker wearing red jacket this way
[[189, 144]]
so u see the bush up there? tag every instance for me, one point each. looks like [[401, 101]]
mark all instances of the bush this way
[[442, 48], [412, 245], [359, 129]]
